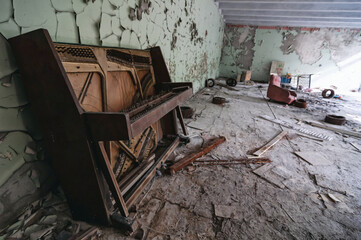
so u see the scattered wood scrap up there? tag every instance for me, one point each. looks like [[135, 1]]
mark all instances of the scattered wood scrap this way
[[314, 158], [192, 157], [335, 129], [333, 198], [270, 143], [300, 129], [357, 148], [233, 161]]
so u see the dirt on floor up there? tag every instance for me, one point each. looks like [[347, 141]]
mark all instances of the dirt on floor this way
[[316, 196], [289, 198]]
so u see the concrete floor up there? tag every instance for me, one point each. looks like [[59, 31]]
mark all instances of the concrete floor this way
[[287, 200]]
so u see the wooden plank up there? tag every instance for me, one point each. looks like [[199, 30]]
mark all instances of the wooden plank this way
[[270, 143], [192, 157], [120, 90], [111, 180], [108, 126], [140, 188], [160, 68], [137, 190], [335, 129], [181, 120], [134, 171], [75, 67], [127, 151], [124, 188]]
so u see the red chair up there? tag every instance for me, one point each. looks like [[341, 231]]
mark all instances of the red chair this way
[[276, 93]]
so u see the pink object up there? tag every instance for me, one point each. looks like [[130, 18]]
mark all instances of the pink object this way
[[276, 93]]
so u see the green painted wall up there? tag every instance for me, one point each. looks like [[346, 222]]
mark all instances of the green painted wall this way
[[327, 53], [189, 33]]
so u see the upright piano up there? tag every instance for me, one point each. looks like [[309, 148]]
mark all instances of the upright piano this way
[[108, 116]]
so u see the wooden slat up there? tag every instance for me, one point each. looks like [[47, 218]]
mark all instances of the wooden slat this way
[[192, 157], [181, 120], [111, 180], [335, 129], [270, 143]]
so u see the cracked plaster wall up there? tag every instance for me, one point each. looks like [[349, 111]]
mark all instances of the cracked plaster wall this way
[[317, 51], [189, 33]]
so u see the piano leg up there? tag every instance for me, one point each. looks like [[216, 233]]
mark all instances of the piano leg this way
[[181, 120]]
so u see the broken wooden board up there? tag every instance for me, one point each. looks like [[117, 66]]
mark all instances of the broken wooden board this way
[[270, 143], [213, 143], [300, 129], [335, 129], [314, 158]]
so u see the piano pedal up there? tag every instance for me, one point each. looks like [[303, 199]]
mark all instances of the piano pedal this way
[[122, 223], [184, 139]]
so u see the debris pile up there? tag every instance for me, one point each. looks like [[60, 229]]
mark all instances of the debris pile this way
[[49, 218]]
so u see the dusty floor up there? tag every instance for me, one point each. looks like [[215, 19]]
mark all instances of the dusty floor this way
[[288, 199]]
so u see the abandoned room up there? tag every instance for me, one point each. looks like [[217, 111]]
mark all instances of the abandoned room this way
[[181, 119]]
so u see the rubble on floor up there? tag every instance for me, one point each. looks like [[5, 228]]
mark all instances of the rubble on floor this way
[[49, 218], [307, 188]]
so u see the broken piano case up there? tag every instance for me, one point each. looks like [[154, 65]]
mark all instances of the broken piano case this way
[[108, 117]]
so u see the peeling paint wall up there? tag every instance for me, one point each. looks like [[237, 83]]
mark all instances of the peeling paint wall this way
[[189, 32], [24, 173], [316, 51]]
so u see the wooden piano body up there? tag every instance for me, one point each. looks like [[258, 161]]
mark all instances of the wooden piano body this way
[[108, 117]]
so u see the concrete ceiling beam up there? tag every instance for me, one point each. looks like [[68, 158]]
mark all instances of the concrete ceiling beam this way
[[290, 1], [291, 19], [292, 6], [294, 13], [296, 24]]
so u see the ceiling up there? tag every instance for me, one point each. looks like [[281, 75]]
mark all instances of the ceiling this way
[[292, 13]]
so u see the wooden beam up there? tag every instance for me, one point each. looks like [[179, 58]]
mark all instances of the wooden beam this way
[[181, 120], [213, 143], [335, 129], [270, 144], [111, 180]]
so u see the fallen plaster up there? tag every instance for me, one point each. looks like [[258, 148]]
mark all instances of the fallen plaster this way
[[18, 151], [12, 154], [14, 95], [239, 204]]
